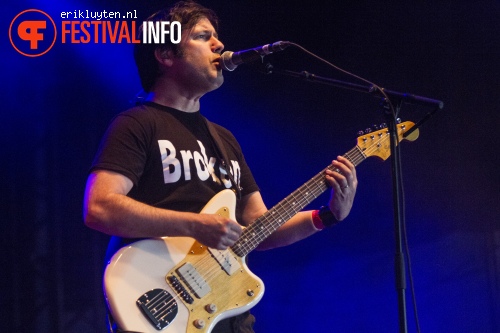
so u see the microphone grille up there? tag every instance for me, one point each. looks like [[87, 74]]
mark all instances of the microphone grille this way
[[226, 61]]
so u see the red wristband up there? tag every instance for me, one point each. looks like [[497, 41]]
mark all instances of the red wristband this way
[[318, 224]]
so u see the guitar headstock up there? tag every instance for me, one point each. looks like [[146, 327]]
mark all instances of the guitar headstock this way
[[377, 143]]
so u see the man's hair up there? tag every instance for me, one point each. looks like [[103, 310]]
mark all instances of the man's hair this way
[[187, 13]]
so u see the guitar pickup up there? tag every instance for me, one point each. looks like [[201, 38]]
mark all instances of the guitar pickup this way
[[194, 280], [226, 260]]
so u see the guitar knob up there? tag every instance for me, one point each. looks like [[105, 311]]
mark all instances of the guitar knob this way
[[199, 323], [211, 308]]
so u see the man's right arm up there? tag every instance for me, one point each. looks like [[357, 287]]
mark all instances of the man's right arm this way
[[108, 209]]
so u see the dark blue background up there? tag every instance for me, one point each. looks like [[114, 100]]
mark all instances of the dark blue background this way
[[57, 106]]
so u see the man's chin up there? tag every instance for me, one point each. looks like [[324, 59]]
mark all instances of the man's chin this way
[[218, 81]]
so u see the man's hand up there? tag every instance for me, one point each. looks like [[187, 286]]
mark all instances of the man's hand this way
[[216, 231], [344, 184]]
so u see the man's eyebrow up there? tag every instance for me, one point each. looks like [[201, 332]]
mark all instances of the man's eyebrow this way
[[206, 31]]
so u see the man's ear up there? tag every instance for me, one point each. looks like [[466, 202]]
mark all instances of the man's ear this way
[[164, 56]]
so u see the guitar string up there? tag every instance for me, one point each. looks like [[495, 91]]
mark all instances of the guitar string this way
[[267, 228], [355, 155], [175, 298], [282, 211], [207, 260], [356, 159], [262, 228], [206, 263], [158, 300], [166, 308]]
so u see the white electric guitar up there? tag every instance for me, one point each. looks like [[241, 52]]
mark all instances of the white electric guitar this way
[[176, 284]]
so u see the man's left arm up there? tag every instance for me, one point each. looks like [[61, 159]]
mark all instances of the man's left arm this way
[[343, 189]]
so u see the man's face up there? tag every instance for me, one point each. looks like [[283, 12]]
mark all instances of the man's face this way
[[197, 68]]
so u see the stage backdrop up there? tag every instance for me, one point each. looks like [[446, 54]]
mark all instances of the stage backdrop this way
[[57, 106]]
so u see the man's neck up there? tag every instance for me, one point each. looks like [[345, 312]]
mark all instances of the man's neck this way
[[178, 103], [170, 94]]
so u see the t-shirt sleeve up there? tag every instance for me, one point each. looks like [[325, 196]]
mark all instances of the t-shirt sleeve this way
[[123, 148]]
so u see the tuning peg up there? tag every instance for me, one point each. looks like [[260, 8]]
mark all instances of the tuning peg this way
[[361, 133], [375, 127], [368, 130], [383, 125], [398, 120]]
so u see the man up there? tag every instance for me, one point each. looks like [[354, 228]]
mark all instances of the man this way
[[158, 164]]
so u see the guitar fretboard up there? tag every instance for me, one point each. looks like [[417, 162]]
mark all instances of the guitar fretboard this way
[[275, 217]]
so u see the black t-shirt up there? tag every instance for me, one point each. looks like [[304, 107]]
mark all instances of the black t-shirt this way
[[171, 158], [173, 163]]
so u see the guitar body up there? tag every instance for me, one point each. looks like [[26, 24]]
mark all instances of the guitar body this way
[[175, 284]]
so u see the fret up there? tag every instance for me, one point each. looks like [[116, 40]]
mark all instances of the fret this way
[[275, 217]]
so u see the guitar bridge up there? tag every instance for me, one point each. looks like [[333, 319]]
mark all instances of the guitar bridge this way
[[159, 307]]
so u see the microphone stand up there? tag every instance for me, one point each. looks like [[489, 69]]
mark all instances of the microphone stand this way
[[398, 199], [403, 97]]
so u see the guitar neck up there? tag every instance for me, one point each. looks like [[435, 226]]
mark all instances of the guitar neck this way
[[371, 144], [275, 217]]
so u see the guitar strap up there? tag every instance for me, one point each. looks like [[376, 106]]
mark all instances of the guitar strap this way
[[225, 160]]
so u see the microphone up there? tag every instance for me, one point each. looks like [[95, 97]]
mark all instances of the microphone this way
[[230, 60]]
